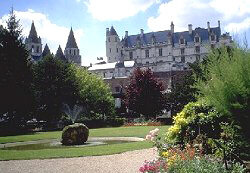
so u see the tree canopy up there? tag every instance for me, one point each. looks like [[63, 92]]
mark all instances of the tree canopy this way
[[144, 94], [15, 74], [54, 85]]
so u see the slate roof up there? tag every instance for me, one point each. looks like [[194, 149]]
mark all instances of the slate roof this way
[[46, 50], [112, 65], [162, 36], [112, 31], [59, 54], [71, 43], [33, 38]]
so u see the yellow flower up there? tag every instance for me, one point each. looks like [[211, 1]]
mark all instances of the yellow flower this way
[[165, 154]]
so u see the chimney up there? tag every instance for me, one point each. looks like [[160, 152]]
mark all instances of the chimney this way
[[107, 31], [126, 34], [142, 32], [190, 30], [219, 23], [208, 26], [172, 27]]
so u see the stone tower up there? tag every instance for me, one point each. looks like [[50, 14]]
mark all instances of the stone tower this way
[[71, 51], [113, 46], [33, 43]]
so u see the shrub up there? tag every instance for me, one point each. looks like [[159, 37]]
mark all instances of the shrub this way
[[196, 118], [76, 134], [203, 164], [227, 85]]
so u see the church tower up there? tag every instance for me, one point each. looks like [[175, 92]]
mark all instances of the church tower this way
[[113, 46], [33, 43], [71, 51]]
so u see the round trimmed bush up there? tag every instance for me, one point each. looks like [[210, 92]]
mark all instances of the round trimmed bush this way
[[76, 134]]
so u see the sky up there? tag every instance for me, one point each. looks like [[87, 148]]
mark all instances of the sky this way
[[90, 18]]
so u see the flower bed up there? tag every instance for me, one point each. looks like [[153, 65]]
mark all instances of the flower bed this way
[[178, 159]]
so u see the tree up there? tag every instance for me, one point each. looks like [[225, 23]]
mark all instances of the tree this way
[[54, 84], [182, 92], [227, 85], [144, 94], [15, 74], [95, 95]]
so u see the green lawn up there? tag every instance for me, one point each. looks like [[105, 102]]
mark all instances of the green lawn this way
[[139, 131]]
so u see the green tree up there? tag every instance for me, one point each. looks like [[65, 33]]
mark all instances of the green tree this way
[[15, 74], [54, 84], [95, 95], [144, 94], [227, 85], [182, 92]]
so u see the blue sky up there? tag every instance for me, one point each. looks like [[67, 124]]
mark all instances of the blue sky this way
[[90, 18]]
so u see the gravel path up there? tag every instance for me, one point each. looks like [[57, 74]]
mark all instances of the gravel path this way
[[128, 162]]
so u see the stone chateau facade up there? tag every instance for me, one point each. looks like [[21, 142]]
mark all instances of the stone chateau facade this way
[[160, 51], [33, 44]]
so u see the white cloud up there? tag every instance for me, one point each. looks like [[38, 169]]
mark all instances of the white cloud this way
[[117, 9], [233, 14], [50, 33]]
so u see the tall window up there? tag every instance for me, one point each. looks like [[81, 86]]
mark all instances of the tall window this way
[[182, 51], [117, 50], [147, 53], [197, 57], [183, 59], [109, 39], [110, 50], [37, 49], [130, 55], [160, 52], [197, 39], [197, 49]]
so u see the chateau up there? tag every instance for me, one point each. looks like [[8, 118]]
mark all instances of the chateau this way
[[33, 44], [160, 51]]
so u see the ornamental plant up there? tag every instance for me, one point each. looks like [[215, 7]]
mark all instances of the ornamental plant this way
[[190, 159]]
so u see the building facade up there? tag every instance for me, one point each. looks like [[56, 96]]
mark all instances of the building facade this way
[[33, 44], [160, 51]]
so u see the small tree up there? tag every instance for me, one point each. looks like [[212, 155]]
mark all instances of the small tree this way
[[95, 95], [144, 94]]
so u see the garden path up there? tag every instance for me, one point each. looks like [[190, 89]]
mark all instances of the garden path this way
[[127, 162]]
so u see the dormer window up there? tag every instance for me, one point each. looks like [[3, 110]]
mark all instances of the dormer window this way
[[182, 41], [212, 37], [197, 39]]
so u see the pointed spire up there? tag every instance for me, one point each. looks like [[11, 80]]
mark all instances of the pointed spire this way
[[46, 51], [112, 31], [33, 34], [59, 54], [71, 43]]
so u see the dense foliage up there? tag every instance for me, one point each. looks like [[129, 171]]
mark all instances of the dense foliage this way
[[227, 85], [144, 94], [94, 95], [54, 84], [181, 93], [15, 75]]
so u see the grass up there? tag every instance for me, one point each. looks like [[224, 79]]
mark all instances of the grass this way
[[134, 131]]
